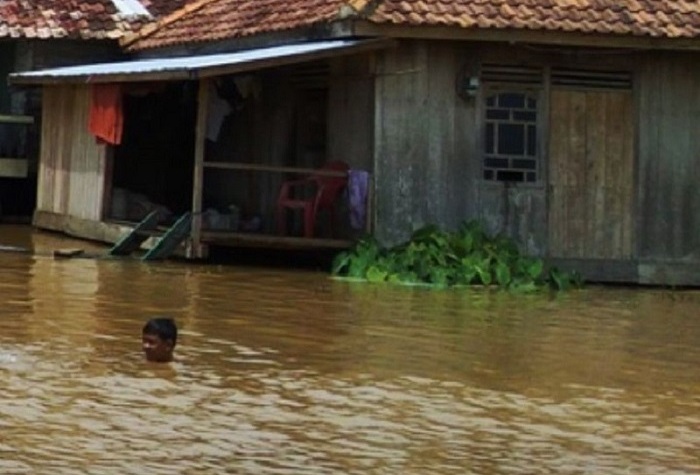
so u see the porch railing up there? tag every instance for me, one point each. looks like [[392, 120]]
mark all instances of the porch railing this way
[[299, 171]]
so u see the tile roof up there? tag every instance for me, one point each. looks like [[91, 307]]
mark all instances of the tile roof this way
[[655, 18], [86, 19], [211, 20]]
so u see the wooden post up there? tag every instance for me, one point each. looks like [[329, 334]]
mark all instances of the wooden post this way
[[196, 249]]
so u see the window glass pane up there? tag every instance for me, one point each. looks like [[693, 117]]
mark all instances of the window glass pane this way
[[525, 116], [525, 164], [491, 101], [531, 177], [511, 100], [496, 162], [511, 139], [498, 114], [490, 138], [488, 174], [507, 175], [531, 103]]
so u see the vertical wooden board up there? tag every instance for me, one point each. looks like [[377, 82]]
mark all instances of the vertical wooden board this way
[[596, 158], [683, 202], [651, 170], [673, 153], [616, 176], [629, 211], [57, 152], [64, 150], [619, 183], [45, 172], [81, 179], [440, 138], [558, 151], [578, 211]]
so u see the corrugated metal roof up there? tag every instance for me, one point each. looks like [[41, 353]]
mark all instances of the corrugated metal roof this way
[[191, 67]]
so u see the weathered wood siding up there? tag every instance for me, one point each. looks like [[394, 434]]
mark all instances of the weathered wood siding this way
[[350, 110], [301, 116], [424, 141], [71, 177], [669, 156], [591, 170]]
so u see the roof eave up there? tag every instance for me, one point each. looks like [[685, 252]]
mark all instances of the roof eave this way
[[512, 35]]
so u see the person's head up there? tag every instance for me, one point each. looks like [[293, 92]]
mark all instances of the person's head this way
[[158, 338]]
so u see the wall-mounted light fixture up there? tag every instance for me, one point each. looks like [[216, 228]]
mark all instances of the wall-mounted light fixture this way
[[468, 83]]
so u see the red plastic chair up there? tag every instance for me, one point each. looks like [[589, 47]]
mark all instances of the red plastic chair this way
[[325, 196]]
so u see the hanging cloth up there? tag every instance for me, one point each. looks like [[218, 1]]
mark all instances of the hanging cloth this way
[[358, 185], [106, 115], [217, 109]]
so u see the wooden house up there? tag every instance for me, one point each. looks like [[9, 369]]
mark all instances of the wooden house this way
[[42, 34], [567, 125]]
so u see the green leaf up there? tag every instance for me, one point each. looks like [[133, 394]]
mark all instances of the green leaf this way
[[502, 274], [534, 268], [484, 274], [374, 274], [358, 266], [340, 262]]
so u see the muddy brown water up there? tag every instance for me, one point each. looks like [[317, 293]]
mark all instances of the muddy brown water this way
[[283, 371]]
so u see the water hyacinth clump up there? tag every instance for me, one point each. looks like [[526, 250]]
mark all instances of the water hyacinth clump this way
[[467, 257]]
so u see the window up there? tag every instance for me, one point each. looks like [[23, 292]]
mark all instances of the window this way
[[510, 143]]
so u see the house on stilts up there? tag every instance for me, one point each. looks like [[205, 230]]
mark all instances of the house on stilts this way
[[568, 126]]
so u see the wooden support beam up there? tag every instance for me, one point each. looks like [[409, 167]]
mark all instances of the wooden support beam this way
[[16, 119], [195, 249], [273, 168]]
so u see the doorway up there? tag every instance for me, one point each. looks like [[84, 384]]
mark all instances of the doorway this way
[[591, 173]]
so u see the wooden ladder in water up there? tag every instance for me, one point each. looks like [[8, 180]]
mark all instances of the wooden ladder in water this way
[[165, 244]]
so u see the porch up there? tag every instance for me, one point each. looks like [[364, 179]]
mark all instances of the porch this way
[[288, 111]]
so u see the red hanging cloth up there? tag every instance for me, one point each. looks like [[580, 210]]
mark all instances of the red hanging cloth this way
[[106, 115]]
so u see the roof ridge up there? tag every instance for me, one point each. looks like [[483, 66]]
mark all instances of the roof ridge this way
[[151, 28]]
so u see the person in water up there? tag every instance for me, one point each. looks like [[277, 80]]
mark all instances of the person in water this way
[[158, 339]]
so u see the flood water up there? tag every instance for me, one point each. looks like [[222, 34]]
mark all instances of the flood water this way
[[282, 371]]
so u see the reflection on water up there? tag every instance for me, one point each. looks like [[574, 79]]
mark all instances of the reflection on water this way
[[287, 372]]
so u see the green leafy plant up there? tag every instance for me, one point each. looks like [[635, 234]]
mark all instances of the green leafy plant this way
[[468, 256]]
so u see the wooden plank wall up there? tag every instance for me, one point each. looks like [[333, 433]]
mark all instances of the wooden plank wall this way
[[591, 174], [71, 177], [424, 141], [350, 106], [669, 156]]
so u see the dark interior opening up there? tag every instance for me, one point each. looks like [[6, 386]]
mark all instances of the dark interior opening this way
[[153, 166]]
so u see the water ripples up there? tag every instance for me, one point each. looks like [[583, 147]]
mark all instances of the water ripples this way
[[284, 372]]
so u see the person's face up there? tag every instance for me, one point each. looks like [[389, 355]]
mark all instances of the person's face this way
[[156, 349]]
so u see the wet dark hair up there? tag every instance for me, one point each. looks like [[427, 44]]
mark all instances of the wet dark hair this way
[[164, 327]]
